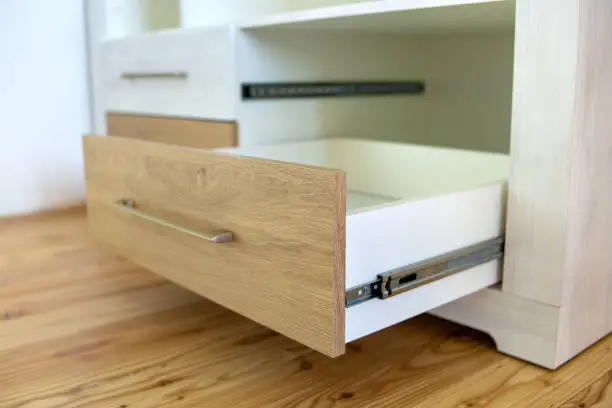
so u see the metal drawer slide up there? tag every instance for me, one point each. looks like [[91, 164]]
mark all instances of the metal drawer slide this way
[[403, 279]]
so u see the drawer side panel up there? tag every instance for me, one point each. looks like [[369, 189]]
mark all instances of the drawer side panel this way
[[390, 237]]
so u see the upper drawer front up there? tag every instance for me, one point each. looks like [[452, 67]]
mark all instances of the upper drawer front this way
[[198, 133], [166, 207], [182, 73]]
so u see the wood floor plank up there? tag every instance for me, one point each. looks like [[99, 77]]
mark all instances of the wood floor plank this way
[[81, 328], [596, 395], [497, 386], [512, 383]]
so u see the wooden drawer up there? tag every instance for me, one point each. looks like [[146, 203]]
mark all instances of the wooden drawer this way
[[187, 73], [198, 133], [288, 234]]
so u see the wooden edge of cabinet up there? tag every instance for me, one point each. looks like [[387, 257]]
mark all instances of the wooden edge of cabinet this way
[[284, 268], [188, 132]]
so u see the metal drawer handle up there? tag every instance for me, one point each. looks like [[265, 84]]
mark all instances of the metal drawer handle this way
[[154, 75], [217, 237]]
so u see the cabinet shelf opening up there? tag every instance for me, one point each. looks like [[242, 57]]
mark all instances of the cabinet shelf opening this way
[[466, 100]]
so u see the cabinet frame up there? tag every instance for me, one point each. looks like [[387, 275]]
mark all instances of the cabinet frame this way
[[555, 299]]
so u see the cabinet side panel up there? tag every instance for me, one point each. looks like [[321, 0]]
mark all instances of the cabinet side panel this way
[[588, 286], [541, 143]]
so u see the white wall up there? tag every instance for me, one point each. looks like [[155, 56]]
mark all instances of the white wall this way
[[44, 106]]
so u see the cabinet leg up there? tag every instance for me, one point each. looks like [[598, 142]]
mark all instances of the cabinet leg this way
[[520, 327]]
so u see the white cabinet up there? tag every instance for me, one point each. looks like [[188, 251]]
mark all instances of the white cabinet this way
[[527, 82]]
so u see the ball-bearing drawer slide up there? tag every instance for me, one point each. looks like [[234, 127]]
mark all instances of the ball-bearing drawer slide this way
[[403, 279]]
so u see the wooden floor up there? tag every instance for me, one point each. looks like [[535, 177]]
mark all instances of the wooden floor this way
[[83, 328]]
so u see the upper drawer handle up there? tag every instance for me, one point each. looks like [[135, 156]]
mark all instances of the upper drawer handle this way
[[217, 237], [154, 75]]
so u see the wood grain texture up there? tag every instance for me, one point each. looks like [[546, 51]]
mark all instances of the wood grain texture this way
[[285, 268], [511, 383], [198, 133], [90, 329], [596, 395]]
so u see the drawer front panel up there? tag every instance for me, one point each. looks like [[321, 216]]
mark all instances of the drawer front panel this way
[[198, 133], [282, 266], [181, 73]]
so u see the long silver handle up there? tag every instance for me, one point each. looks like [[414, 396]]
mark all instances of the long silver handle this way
[[217, 237], [154, 75]]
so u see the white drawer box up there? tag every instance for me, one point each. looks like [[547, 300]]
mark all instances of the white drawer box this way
[[186, 73]]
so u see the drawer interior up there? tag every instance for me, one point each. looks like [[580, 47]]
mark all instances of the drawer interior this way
[[384, 172]]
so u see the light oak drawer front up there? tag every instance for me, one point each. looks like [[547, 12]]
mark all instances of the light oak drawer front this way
[[188, 73], [198, 133], [284, 266]]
